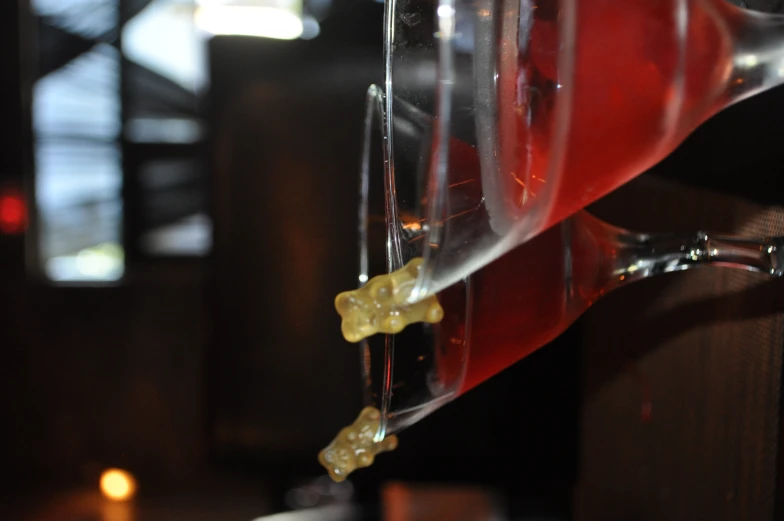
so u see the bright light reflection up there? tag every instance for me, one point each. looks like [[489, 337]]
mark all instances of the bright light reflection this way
[[117, 485], [310, 28], [164, 39], [249, 20], [102, 263]]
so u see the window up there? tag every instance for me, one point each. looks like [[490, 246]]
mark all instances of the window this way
[[118, 136]]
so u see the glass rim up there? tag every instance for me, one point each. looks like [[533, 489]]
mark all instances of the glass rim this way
[[445, 14], [445, 17], [378, 351], [445, 39]]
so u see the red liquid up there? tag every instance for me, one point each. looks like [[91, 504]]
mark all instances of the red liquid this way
[[526, 298], [627, 113], [627, 110]]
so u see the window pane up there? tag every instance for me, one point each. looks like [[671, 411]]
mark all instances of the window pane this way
[[76, 117]]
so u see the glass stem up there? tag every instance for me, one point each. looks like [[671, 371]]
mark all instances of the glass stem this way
[[638, 256], [758, 57]]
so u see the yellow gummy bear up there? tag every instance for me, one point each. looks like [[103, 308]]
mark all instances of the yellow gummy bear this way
[[354, 446], [381, 306]]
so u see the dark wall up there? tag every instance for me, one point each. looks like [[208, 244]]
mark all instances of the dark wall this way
[[89, 377], [95, 377], [287, 125]]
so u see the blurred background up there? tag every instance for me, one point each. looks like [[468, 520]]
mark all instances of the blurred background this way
[[177, 210]]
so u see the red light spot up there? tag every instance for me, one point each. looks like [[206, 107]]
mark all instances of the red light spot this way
[[13, 213]]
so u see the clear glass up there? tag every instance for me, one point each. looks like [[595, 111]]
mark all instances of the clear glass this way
[[517, 303], [504, 117], [385, 242]]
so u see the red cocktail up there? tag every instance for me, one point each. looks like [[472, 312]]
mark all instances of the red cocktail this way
[[562, 101], [503, 118], [523, 300], [643, 75]]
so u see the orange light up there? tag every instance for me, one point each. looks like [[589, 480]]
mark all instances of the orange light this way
[[13, 213], [117, 485]]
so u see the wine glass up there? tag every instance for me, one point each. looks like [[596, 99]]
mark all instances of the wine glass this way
[[503, 311], [517, 303], [504, 117]]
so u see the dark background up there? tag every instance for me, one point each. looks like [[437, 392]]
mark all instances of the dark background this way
[[222, 375]]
